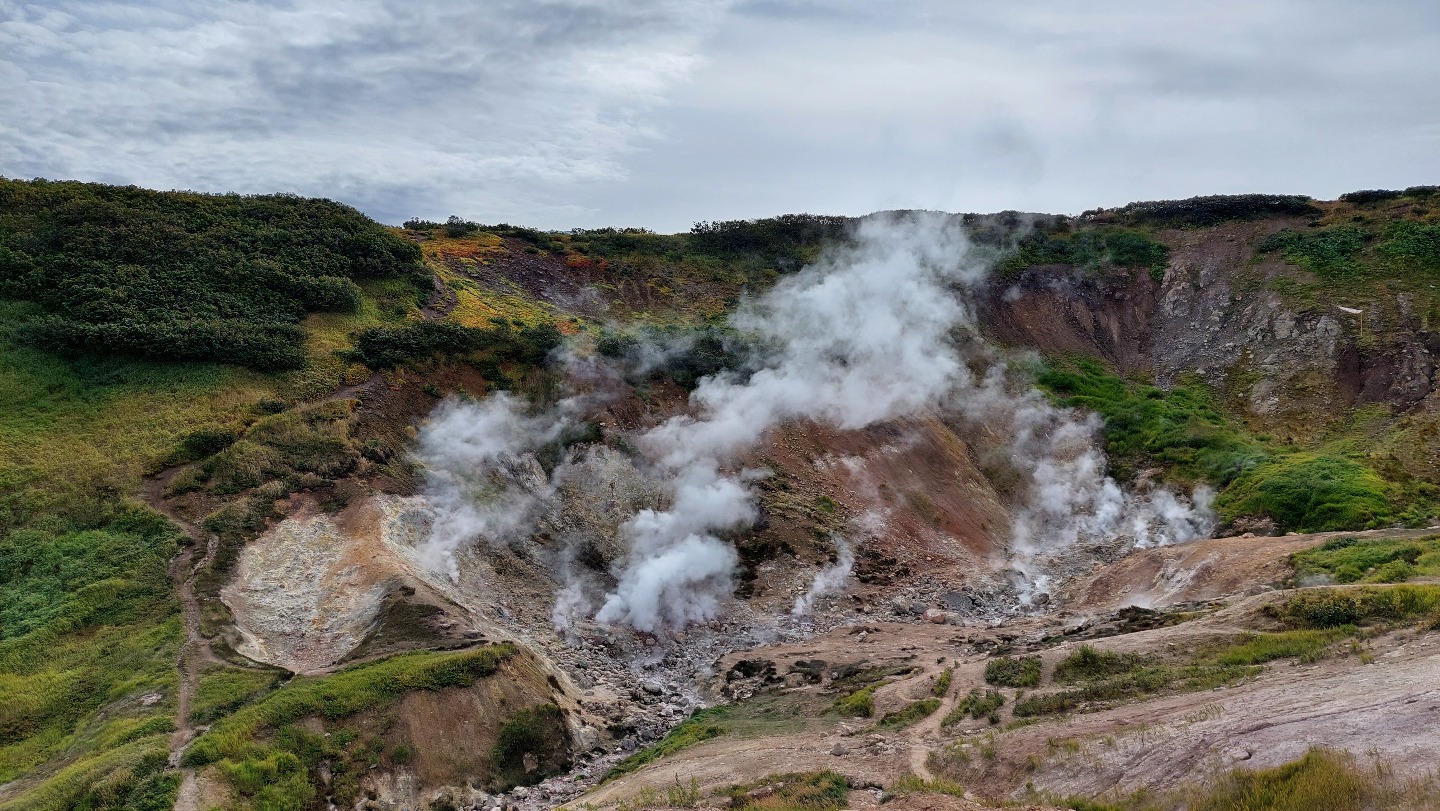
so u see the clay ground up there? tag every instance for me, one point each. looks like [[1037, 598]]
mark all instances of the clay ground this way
[[1379, 698]]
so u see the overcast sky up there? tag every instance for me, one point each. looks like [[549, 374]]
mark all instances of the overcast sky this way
[[661, 112]]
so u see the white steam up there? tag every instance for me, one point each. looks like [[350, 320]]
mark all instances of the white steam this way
[[828, 580], [864, 335], [860, 337], [480, 482]]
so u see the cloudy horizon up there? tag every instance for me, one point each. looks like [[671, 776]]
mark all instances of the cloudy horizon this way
[[659, 113]]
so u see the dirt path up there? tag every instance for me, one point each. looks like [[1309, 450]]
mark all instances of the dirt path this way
[[195, 648]]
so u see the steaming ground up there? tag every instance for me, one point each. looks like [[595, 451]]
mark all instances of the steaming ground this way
[[877, 330]]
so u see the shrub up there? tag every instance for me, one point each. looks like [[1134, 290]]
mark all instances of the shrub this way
[[1370, 196], [1348, 560], [1199, 212], [386, 347], [942, 683], [1088, 663], [538, 732], [185, 276], [1013, 671], [977, 705], [1329, 252]]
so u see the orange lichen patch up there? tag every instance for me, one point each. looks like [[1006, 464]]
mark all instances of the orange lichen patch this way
[[475, 246]]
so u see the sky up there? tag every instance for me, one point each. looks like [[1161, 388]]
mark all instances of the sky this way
[[561, 114]]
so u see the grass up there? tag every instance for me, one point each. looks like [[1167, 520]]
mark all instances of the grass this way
[[1307, 492], [1337, 607], [913, 713], [805, 791], [857, 704], [1320, 780], [223, 690], [343, 694], [698, 728], [1088, 663], [942, 683], [1013, 671], [1305, 645], [1183, 430], [1356, 560], [911, 783], [976, 705]]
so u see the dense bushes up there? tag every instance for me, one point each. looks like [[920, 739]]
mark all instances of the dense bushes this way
[[184, 276], [783, 235], [1091, 248], [1328, 252], [1199, 212], [1013, 671], [537, 732], [385, 347]]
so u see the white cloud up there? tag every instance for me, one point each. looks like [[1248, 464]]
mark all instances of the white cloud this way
[[660, 112]]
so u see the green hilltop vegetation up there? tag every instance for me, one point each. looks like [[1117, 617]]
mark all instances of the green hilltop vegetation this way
[[205, 335]]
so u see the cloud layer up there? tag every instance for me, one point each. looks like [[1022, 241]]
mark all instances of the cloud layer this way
[[660, 112]]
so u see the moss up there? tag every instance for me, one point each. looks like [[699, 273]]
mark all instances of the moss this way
[[858, 704]]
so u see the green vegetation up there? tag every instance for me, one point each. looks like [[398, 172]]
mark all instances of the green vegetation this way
[[1088, 663], [1305, 645], [538, 732], [913, 713], [1089, 248], [1306, 492], [87, 618], [1200, 212], [911, 783], [184, 276], [387, 347], [690, 353], [977, 705], [1357, 560], [807, 791], [1320, 780], [1329, 252], [858, 704], [223, 690], [698, 728], [1182, 429], [1336, 607], [273, 762], [942, 683], [1185, 432], [1013, 671]]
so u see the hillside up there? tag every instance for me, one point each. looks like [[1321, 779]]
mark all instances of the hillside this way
[[247, 445]]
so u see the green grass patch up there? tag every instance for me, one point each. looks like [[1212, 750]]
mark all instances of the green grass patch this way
[[806, 791], [1359, 560], [1091, 248], [1336, 607], [1305, 492], [343, 694], [942, 683], [1183, 430], [1088, 663], [224, 690], [701, 726], [976, 705], [857, 704], [913, 713], [1305, 645], [1013, 671]]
